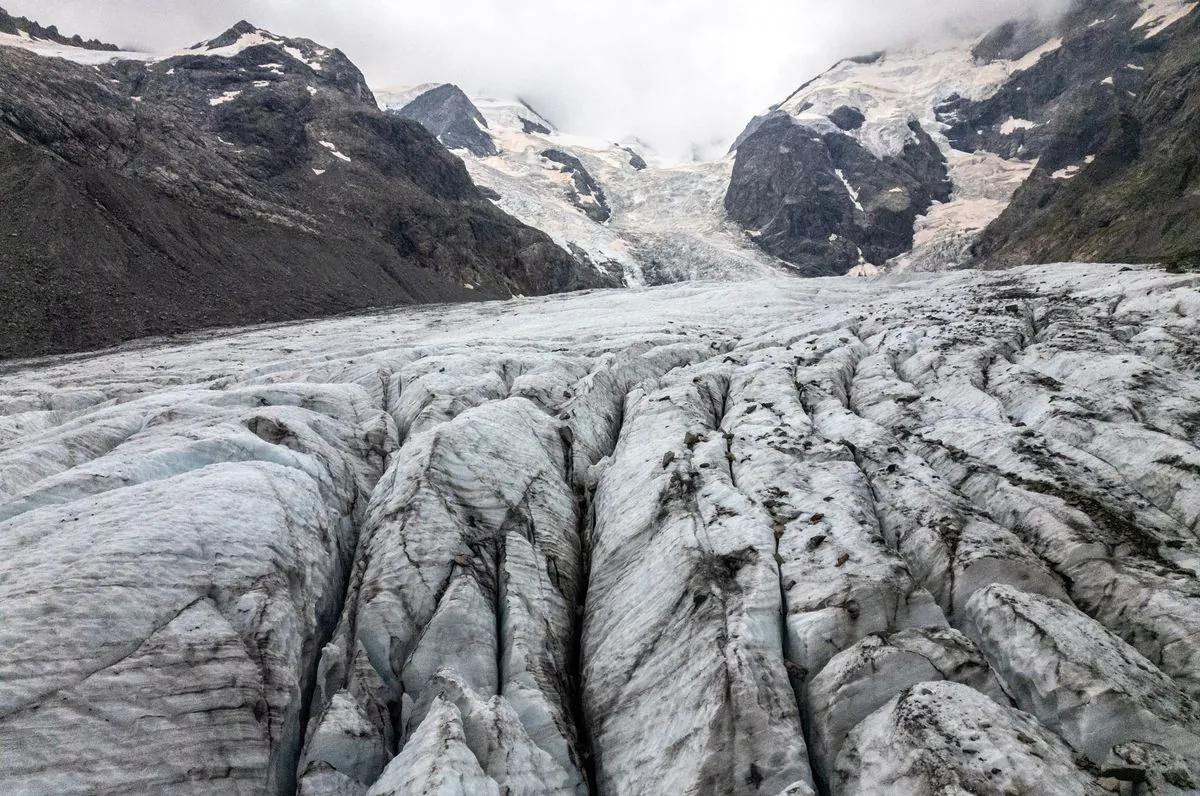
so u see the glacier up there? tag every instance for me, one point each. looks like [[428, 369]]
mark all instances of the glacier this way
[[924, 533]]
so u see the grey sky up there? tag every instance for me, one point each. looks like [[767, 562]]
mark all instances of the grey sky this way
[[673, 72]]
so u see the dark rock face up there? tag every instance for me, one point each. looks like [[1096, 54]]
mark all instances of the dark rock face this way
[[530, 127], [586, 193], [824, 203], [219, 189], [451, 116], [847, 118], [1062, 86], [636, 161], [15, 25], [1117, 178], [1013, 40]]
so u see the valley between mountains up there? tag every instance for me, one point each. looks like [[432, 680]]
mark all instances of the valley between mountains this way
[[929, 534], [644, 513]]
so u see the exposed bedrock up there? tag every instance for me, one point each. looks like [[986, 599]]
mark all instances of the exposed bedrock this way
[[822, 201], [447, 113]]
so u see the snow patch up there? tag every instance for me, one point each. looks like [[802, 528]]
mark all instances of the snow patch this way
[[79, 55], [299, 55], [1011, 125], [333, 150], [850, 190], [1036, 55], [1161, 14], [244, 42], [228, 96]]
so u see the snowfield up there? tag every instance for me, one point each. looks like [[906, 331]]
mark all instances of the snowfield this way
[[909, 535], [53, 49]]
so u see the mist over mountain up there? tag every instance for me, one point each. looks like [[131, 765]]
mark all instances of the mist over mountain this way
[[680, 75]]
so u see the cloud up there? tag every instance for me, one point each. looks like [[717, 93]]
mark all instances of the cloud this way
[[675, 73]]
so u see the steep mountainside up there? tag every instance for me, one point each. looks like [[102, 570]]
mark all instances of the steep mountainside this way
[[851, 169], [896, 160], [448, 113], [825, 202], [1118, 176], [616, 205], [918, 536], [251, 178]]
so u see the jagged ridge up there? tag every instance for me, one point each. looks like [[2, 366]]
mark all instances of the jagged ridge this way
[[251, 179]]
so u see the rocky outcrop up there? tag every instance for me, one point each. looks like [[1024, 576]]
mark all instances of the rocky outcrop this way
[[530, 127], [1116, 180], [1063, 90], [453, 119], [778, 537], [251, 179], [636, 161], [584, 192], [821, 201], [1049, 139]]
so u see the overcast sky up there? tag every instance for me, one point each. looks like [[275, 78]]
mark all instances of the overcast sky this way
[[674, 73]]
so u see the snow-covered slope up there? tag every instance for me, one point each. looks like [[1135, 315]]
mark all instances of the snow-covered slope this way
[[895, 161], [912, 535], [666, 223], [79, 55], [999, 106], [900, 87]]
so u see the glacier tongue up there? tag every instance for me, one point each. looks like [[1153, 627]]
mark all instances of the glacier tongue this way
[[776, 537]]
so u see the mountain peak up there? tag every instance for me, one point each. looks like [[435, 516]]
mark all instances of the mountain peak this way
[[234, 35], [448, 113]]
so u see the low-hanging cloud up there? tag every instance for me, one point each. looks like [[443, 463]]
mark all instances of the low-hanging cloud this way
[[678, 74]]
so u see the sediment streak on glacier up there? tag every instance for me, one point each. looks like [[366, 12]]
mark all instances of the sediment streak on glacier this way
[[726, 539]]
